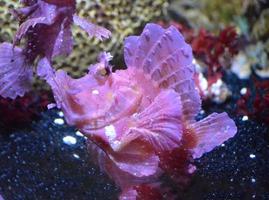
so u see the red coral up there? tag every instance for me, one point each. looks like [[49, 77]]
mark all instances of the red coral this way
[[255, 103], [211, 49]]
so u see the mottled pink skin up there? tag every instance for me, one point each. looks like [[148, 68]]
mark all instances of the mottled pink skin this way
[[46, 25], [134, 117]]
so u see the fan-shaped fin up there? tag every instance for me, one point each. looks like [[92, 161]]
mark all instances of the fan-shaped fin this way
[[212, 132], [166, 59], [159, 124]]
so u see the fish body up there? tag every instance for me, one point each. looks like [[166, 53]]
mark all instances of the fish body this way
[[134, 117]]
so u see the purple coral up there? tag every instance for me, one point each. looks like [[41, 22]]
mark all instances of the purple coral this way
[[46, 26], [134, 117]]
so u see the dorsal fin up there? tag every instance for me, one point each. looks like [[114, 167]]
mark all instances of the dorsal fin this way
[[166, 59]]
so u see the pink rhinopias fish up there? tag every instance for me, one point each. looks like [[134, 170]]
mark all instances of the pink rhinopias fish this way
[[46, 26], [133, 116]]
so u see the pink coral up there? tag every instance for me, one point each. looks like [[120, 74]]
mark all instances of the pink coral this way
[[135, 117], [46, 25]]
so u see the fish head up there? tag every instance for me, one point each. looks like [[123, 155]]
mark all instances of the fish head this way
[[98, 99]]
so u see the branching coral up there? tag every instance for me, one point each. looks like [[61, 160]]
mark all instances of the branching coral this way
[[211, 49], [138, 119]]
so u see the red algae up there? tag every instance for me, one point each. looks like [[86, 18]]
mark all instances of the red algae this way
[[255, 102]]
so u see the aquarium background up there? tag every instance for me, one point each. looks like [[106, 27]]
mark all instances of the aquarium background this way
[[41, 157]]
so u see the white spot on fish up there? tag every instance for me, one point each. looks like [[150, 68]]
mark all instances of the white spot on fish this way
[[110, 132], [95, 92]]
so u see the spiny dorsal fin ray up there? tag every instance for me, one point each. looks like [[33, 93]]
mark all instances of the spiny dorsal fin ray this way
[[165, 58]]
